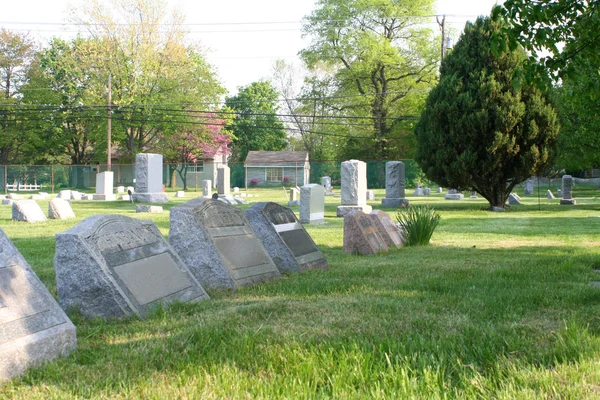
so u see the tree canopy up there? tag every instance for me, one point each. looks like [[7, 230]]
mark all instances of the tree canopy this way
[[478, 131]]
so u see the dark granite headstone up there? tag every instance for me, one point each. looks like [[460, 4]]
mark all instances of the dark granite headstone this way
[[218, 244], [33, 328], [113, 266], [287, 242], [361, 235]]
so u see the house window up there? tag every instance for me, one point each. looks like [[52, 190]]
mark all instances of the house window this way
[[197, 167], [274, 174]]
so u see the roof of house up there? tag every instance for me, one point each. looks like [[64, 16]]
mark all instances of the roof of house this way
[[270, 157]]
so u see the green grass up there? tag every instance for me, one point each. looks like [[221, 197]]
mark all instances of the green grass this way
[[498, 306]]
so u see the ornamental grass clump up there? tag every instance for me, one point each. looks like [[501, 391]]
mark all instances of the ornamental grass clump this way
[[417, 224]]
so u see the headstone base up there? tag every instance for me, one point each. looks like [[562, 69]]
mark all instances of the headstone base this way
[[568, 202], [454, 196], [342, 211], [394, 202], [105, 197], [314, 218], [151, 197]]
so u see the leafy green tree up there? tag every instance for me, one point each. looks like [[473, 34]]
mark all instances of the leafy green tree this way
[[255, 125], [478, 131], [383, 61]]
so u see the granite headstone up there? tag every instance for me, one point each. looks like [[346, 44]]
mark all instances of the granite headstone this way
[[361, 235], [149, 179], [104, 186], [60, 209], [312, 206], [206, 188], [291, 248], [567, 191], [354, 188], [387, 229], [114, 266], [223, 180], [394, 185], [28, 211]]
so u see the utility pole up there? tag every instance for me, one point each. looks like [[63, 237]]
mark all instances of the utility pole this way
[[109, 125], [443, 26]]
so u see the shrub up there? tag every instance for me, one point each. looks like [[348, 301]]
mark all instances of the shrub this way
[[286, 180], [254, 182], [417, 224]]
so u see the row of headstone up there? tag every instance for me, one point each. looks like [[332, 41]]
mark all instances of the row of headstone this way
[[113, 266], [370, 233], [30, 211]]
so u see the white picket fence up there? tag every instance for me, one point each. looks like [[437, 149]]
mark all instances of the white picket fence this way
[[22, 187]]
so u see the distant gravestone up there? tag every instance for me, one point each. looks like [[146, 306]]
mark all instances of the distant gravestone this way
[[567, 191], [418, 191], [115, 266], [549, 195], [370, 195], [236, 189], [528, 187], [7, 202], [143, 208], [354, 188], [361, 235], [454, 194], [75, 195], [426, 191], [104, 186], [33, 328], [473, 195], [326, 183], [223, 180], [60, 209], [14, 196], [218, 244], [294, 197], [513, 200], [387, 229], [28, 211], [394, 185], [291, 248], [64, 194], [559, 193], [206, 188], [130, 190], [180, 194], [121, 189], [149, 178], [312, 206], [440, 190]]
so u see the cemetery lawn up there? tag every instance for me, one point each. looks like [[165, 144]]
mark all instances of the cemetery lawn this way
[[499, 305]]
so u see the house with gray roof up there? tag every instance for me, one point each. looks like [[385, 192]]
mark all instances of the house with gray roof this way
[[275, 168]]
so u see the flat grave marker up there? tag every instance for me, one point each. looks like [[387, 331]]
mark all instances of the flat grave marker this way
[[114, 266]]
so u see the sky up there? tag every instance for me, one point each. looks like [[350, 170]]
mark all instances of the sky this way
[[242, 38]]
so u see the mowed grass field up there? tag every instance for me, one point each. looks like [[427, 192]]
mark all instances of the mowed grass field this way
[[498, 306]]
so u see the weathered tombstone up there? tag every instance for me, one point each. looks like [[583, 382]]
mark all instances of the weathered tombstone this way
[[37, 197], [223, 185], [513, 200], [114, 266], [64, 194], [559, 193], [440, 190], [104, 186], [418, 191], [75, 195], [7, 202], [454, 194], [143, 208], [130, 189], [14, 196], [33, 328], [180, 194], [28, 211], [528, 187], [125, 197], [370, 195], [567, 191], [148, 179], [294, 197], [206, 188], [121, 189], [387, 229], [218, 244], [354, 188], [361, 235], [549, 195], [312, 206], [326, 183], [473, 195], [236, 189], [60, 209], [426, 191], [291, 248], [394, 185]]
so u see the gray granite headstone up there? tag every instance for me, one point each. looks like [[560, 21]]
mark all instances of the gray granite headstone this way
[[291, 248], [394, 185], [60, 209], [28, 211], [33, 328], [144, 208], [559, 193], [326, 183], [454, 194], [549, 195], [218, 244], [440, 190], [361, 235], [180, 194], [426, 191], [294, 199], [64, 194], [113, 266], [418, 191], [567, 190], [149, 179], [223, 180], [312, 206], [354, 188], [206, 188], [513, 200], [387, 229], [104, 186], [528, 187], [370, 195]]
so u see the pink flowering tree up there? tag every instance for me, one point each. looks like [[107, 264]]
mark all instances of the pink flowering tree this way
[[204, 137]]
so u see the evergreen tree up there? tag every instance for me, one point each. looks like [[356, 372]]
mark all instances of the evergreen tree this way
[[480, 130]]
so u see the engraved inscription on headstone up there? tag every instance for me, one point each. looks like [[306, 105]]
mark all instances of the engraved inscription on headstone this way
[[33, 328], [361, 234], [217, 243], [112, 266], [287, 242]]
